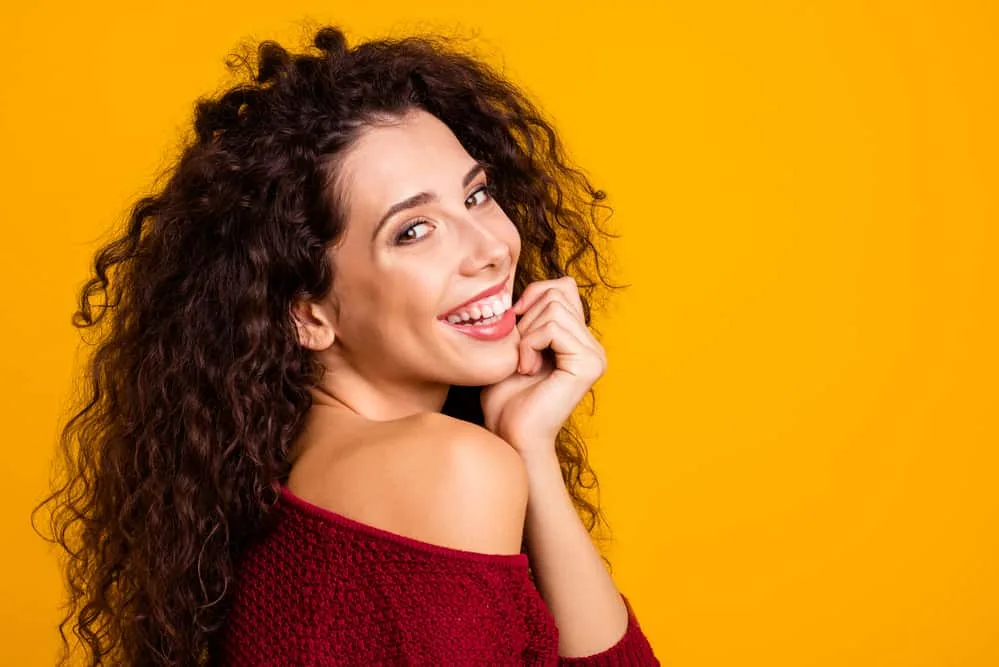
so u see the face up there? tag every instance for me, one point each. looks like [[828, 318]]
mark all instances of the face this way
[[423, 236]]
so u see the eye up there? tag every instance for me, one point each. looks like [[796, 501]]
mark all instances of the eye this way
[[483, 190], [400, 237]]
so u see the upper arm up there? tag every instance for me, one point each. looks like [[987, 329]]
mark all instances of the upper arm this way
[[480, 496]]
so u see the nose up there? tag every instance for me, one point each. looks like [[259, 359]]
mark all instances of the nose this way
[[483, 249]]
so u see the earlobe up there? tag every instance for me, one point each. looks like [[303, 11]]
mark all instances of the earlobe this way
[[315, 329]]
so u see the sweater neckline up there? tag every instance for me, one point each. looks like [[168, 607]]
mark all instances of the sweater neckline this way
[[298, 503]]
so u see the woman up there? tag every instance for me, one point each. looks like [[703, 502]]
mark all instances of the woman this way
[[316, 431]]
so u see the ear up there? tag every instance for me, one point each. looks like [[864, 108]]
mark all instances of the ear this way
[[315, 324]]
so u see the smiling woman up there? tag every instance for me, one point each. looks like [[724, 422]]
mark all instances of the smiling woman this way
[[441, 241], [328, 421]]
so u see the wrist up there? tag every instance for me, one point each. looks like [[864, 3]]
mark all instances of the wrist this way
[[544, 475], [540, 458]]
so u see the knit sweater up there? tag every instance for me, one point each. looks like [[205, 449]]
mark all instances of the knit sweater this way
[[320, 589]]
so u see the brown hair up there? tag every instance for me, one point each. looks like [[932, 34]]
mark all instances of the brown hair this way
[[197, 385]]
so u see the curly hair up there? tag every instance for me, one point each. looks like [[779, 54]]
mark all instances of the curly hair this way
[[196, 385]]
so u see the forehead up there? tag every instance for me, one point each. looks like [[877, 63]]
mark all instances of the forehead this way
[[391, 161]]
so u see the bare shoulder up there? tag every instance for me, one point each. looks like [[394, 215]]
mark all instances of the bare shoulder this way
[[481, 482], [433, 478], [475, 457]]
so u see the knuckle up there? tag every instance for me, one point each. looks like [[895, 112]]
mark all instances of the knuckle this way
[[556, 304]]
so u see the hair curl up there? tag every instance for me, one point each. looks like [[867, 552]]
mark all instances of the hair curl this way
[[197, 385]]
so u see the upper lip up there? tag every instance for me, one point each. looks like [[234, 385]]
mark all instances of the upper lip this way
[[495, 289]]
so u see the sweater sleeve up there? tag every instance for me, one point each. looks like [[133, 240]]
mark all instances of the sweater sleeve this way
[[631, 650]]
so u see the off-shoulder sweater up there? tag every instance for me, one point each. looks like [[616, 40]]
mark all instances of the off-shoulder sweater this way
[[320, 589]]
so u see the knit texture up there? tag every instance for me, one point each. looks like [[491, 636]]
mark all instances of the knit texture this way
[[320, 589]]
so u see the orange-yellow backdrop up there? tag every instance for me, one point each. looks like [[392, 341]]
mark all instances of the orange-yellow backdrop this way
[[797, 434]]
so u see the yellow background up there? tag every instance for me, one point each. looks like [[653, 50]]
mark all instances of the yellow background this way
[[797, 434]]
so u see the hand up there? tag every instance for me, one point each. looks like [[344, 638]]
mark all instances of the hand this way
[[559, 362]]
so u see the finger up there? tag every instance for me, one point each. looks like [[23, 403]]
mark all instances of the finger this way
[[550, 296], [569, 287], [529, 359], [566, 285], [535, 342], [571, 354], [530, 294], [533, 292], [557, 311]]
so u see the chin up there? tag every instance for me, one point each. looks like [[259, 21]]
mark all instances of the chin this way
[[500, 366]]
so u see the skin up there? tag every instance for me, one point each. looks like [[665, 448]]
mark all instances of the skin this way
[[390, 363], [378, 333]]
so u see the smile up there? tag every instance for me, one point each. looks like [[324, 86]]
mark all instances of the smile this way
[[492, 328], [482, 312], [488, 319]]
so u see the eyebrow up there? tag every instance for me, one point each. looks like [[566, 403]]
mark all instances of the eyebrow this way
[[422, 198]]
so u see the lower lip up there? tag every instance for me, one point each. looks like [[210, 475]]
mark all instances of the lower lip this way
[[498, 330]]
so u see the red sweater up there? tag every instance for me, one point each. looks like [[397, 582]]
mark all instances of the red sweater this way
[[321, 589]]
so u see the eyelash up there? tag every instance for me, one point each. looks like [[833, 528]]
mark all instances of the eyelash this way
[[398, 240]]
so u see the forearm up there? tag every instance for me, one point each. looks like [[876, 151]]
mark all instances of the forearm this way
[[570, 575]]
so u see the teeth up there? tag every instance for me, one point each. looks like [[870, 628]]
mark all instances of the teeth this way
[[487, 308], [485, 322]]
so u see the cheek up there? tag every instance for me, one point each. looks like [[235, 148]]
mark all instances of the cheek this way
[[413, 296], [513, 240], [360, 307]]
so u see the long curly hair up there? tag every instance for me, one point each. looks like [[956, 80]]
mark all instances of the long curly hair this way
[[196, 385]]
